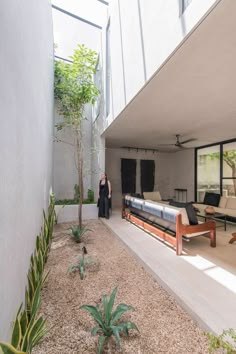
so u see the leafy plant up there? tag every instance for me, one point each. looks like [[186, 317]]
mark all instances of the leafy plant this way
[[74, 88], [107, 320], [76, 193], [81, 265], [225, 341], [90, 195], [29, 328], [78, 233], [65, 202], [27, 331]]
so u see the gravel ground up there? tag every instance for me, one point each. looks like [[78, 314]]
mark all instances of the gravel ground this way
[[164, 326]]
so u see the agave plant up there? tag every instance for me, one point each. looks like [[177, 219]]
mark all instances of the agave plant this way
[[107, 320], [81, 265], [78, 233], [29, 328], [26, 332]]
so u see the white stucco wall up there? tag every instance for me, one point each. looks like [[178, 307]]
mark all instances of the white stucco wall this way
[[172, 170], [143, 36], [26, 110], [182, 172], [65, 173]]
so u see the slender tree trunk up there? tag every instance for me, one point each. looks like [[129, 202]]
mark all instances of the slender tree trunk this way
[[81, 194], [80, 173], [234, 178]]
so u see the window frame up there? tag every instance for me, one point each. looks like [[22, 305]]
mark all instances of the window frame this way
[[222, 178]]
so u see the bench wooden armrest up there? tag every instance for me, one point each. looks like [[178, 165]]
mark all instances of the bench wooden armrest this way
[[208, 229]]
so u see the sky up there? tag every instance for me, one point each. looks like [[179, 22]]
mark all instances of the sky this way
[[68, 32]]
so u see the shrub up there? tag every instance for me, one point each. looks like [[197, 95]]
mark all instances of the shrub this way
[[81, 265], [107, 320], [225, 341], [90, 196], [78, 233], [29, 328], [76, 193]]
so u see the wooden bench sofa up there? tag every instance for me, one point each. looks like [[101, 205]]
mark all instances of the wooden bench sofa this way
[[168, 223]]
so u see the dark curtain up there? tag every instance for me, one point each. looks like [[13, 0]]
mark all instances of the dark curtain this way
[[147, 175], [128, 175]]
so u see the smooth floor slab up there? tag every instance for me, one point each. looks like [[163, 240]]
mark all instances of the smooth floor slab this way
[[203, 279]]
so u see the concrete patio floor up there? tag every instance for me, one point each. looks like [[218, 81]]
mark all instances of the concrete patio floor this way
[[202, 280]]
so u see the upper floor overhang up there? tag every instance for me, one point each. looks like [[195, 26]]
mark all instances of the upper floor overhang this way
[[193, 93]]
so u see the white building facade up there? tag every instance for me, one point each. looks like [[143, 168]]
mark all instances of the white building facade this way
[[164, 73], [26, 110]]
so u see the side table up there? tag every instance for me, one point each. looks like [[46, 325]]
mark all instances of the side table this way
[[181, 194]]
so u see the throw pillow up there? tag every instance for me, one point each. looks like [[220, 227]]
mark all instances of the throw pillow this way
[[211, 199], [189, 209]]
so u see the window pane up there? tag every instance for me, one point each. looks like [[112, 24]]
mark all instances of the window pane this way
[[229, 168], [208, 171], [229, 187]]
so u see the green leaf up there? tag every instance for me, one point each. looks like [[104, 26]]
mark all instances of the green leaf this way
[[81, 272], [16, 334], [101, 343], [112, 299], [105, 308], [127, 326], [72, 266], [115, 331], [9, 349], [122, 328], [95, 330], [23, 322], [35, 302], [119, 311], [94, 312], [88, 260], [36, 332]]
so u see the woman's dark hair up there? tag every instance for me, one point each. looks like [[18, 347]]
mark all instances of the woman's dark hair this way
[[106, 180]]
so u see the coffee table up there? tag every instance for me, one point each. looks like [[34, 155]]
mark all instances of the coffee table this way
[[214, 216]]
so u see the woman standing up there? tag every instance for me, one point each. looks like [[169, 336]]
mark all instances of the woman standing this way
[[104, 199]]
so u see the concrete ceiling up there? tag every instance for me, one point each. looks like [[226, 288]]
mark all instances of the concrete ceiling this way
[[193, 94]]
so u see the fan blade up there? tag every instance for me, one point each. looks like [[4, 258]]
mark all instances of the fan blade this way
[[165, 144], [187, 141]]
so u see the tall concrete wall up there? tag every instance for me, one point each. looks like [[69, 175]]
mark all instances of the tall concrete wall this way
[[26, 110]]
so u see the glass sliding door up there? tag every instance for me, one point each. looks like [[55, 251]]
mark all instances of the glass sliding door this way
[[215, 169], [208, 171], [229, 169]]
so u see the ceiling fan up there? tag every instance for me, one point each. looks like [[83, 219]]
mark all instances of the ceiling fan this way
[[178, 143]]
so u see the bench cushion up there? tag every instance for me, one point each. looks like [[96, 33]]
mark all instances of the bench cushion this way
[[192, 217], [231, 203], [155, 196], [211, 199]]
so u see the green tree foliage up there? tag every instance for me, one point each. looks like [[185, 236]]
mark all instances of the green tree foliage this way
[[230, 159], [74, 88]]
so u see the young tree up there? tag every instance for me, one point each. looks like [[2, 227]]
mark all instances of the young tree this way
[[230, 159], [74, 88]]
